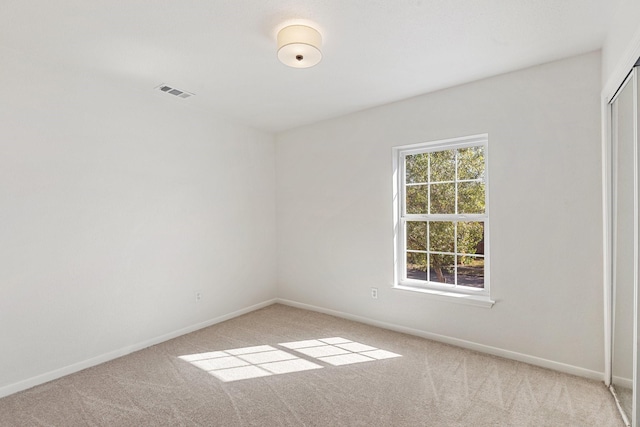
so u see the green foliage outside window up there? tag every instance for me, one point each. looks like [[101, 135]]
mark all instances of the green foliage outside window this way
[[445, 182]]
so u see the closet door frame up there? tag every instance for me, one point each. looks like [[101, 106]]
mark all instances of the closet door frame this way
[[617, 77], [610, 89], [610, 156]]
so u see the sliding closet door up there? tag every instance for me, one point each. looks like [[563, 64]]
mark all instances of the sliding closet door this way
[[625, 245]]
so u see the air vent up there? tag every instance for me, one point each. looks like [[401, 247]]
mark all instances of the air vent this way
[[175, 92]]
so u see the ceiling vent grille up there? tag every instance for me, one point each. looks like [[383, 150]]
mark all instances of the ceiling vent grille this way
[[175, 92]]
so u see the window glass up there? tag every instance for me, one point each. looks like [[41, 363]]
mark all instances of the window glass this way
[[417, 168], [417, 236], [441, 236], [471, 197], [417, 199], [471, 163], [443, 165], [443, 198]]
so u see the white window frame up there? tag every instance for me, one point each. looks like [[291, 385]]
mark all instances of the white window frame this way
[[449, 292]]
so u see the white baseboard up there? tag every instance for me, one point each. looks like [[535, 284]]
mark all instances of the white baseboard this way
[[70, 369], [507, 354]]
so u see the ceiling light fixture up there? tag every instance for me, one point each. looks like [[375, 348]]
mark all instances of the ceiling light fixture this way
[[299, 46]]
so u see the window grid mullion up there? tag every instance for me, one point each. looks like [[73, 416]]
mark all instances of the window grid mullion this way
[[455, 255], [455, 223], [428, 252], [403, 185], [455, 180], [429, 184], [416, 251], [428, 263], [446, 217], [415, 184], [403, 213]]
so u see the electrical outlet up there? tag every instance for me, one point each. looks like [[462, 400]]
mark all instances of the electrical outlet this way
[[374, 293], [198, 296]]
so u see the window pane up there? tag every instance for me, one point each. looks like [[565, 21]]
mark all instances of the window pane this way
[[417, 199], [417, 168], [471, 163], [471, 238], [470, 197], [442, 268], [443, 165], [443, 198], [416, 266], [441, 236], [471, 271], [417, 236]]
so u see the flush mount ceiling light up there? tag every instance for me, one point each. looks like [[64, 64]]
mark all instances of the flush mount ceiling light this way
[[299, 46]]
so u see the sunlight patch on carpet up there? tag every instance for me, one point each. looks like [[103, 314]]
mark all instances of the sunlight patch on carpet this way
[[248, 362], [264, 360], [339, 351]]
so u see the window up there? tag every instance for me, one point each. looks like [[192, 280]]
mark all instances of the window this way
[[442, 218]]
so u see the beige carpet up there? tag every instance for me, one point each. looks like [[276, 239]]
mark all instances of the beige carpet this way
[[302, 368]]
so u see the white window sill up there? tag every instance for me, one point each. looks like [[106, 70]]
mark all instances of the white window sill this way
[[475, 300]]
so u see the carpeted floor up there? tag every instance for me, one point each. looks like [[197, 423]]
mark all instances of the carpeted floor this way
[[281, 366]]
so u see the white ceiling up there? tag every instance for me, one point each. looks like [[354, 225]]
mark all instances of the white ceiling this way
[[375, 51]]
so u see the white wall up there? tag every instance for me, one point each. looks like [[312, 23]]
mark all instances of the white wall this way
[[115, 208], [334, 210]]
